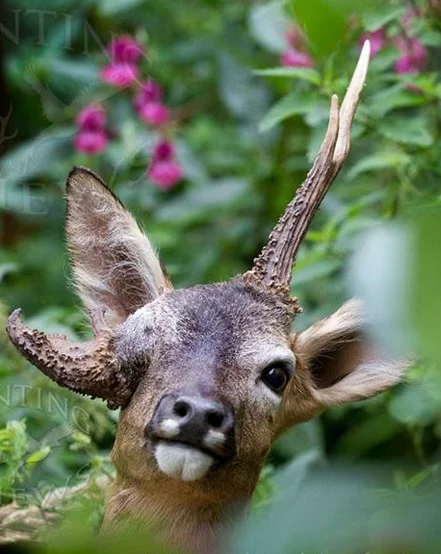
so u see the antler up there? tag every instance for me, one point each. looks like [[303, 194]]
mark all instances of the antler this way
[[272, 268], [88, 368]]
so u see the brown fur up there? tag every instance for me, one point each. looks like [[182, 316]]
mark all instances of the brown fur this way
[[212, 340]]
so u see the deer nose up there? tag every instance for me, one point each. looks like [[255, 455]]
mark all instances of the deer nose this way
[[198, 421], [205, 413]]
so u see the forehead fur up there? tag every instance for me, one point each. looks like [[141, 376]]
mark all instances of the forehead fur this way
[[215, 318], [226, 308]]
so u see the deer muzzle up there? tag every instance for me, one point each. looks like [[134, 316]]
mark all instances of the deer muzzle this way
[[190, 434]]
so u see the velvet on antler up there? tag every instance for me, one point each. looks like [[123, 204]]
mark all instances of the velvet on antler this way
[[272, 268]]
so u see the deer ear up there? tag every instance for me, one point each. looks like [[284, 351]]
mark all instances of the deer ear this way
[[115, 266], [338, 364]]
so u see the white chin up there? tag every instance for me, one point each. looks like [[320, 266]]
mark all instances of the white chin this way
[[182, 461]]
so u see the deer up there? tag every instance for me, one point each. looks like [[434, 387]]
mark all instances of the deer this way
[[206, 378]]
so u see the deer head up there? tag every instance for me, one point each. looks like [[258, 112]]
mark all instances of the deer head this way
[[209, 376]]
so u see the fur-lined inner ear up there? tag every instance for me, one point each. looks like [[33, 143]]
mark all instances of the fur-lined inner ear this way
[[115, 266], [338, 359], [337, 364], [342, 363]]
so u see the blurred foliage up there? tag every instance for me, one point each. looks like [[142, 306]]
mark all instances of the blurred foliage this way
[[246, 132]]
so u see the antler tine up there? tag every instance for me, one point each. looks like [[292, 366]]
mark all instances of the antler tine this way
[[349, 104], [272, 268]]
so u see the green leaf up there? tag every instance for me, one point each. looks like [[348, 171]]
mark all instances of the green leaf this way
[[381, 15], [322, 21], [315, 140], [6, 268], [385, 101], [241, 92], [34, 156], [214, 196], [325, 21], [296, 103], [38, 456], [406, 130], [303, 516], [431, 37], [426, 282], [384, 59], [378, 161], [414, 405], [378, 274], [368, 434], [267, 24], [80, 441], [82, 71], [299, 439], [303, 73], [113, 7], [316, 270]]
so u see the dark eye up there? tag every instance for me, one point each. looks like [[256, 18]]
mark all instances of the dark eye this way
[[275, 377]]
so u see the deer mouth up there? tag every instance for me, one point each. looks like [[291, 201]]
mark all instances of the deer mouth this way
[[181, 460], [217, 455], [188, 435], [189, 458]]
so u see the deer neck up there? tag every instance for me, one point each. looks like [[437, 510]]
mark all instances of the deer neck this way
[[193, 522]]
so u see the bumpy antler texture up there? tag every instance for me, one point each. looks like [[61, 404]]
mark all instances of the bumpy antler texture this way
[[87, 368], [272, 268]]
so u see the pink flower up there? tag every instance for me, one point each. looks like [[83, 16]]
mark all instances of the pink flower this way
[[92, 118], [164, 150], [295, 58], [125, 49], [154, 113], [119, 75], [418, 51], [376, 39], [150, 91], [407, 18], [295, 37], [122, 70], [165, 173], [149, 106], [413, 55], [90, 142], [405, 64]]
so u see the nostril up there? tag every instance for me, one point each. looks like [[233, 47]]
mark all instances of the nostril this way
[[215, 419], [181, 408]]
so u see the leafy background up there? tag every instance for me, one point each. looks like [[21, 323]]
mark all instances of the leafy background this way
[[246, 132]]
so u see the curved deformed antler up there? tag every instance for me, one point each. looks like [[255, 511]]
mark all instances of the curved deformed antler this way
[[87, 368], [272, 268]]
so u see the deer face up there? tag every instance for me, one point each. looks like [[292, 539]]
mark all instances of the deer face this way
[[216, 361], [206, 377]]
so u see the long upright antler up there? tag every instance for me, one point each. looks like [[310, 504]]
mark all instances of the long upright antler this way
[[272, 268]]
